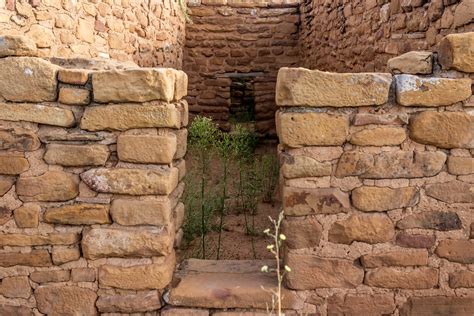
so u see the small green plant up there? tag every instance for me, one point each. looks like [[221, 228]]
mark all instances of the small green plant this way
[[275, 248]]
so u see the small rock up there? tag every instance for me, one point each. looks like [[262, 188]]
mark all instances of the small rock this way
[[408, 278], [65, 300], [51, 186], [372, 229], [456, 250], [27, 216], [414, 62], [437, 220]]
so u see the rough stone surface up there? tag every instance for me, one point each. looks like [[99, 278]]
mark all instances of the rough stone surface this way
[[131, 303], [147, 212], [64, 255], [452, 192], [65, 300], [350, 304], [27, 216], [74, 96], [132, 181], [23, 240], [437, 220], [15, 45], [101, 243], [27, 79], [18, 139], [76, 155], [83, 275], [461, 279], [126, 116], [299, 202], [51, 186], [303, 87], [417, 91], [414, 62], [456, 51], [15, 287], [15, 310], [147, 148], [437, 305], [456, 250], [36, 113], [5, 184], [50, 276], [380, 136], [443, 129], [311, 272], [297, 129], [408, 240], [407, 278], [35, 258], [372, 229], [13, 165], [78, 214], [299, 166], [302, 233], [396, 258], [374, 199], [73, 76], [460, 165]]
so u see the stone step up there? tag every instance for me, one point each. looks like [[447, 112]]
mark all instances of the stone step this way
[[227, 284]]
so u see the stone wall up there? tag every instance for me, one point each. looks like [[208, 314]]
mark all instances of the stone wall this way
[[232, 36], [151, 32], [361, 35], [377, 184], [91, 169]]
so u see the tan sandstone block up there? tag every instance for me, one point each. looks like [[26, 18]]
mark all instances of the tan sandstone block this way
[[136, 212], [396, 258], [153, 149], [24, 240], [18, 139], [460, 165], [300, 202], [15, 287], [418, 91], [35, 258], [78, 214], [408, 240], [130, 303], [140, 277], [311, 272], [13, 164], [74, 96], [36, 113], [298, 129], [380, 136], [376, 199], [6, 183], [50, 276], [460, 279], [68, 300], [27, 79], [83, 275], [76, 155], [302, 233], [50, 186], [63, 255], [353, 304], [101, 243], [457, 51], [436, 220], [437, 305], [452, 192], [127, 116], [443, 129], [181, 86], [132, 181], [73, 76], [15, 310], [303, 87], [407, 278], [27, 216], [134, 85], [299, 166], [368, 228], [15, 45], [456, 250], [414, 62]]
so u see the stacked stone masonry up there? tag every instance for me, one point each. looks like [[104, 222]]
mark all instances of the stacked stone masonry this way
[[377, 185], [149, 33], [91, 169]]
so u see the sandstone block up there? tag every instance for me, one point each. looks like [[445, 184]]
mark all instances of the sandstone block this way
[[63, 255], [405, 239], [311, 272], [132, 181], [389, 165], [50, 276], [141, 277], [35, 258], [27, 79], [181, 143], [407, 278], [181, 85], [134, 85], [304, 233], [456, 250], [73, 76], [14, 45], [153, 149], [300, 202], [51, 186], [443, 129], [15, 287], [396, 258], [127, 116], [65, 300], [372, 229], [131, 303], [135, 212], [101, 243], [299, 129], [303, 87], [299, 166], [460, 165], [350, 304], [376, 199], [380, 136], [456, 51], [452, 192], [24, 240], [417, 91], [74, 96], [414, 62], [361, 119], [437, 305], [15, 310], [5, 184], [27, 216], [179, 215], [36, 113], [76, 155], [78, 214], [83, 275], [461, 279], [13, 165], [18, 139], [437, 220], [173, 311]]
